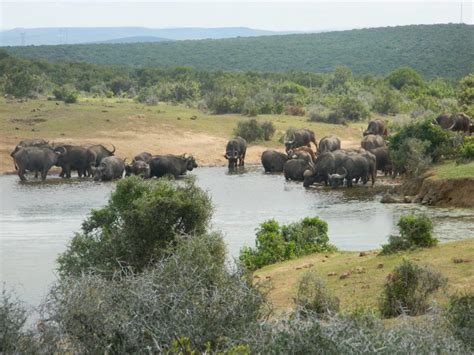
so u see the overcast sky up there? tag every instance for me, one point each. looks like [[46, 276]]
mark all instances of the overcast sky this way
[[270, 15]]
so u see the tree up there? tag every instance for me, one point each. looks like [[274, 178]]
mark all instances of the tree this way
[[404, 76]]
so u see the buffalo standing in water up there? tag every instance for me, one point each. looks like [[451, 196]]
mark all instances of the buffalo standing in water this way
[[294, 169], [329, 144], [162, 165], [76, 158], [101, 152], [376, 127], [37, 159], [235, 152], [138, 168], [300, 138], [353, 167], [29, 143], [273, 161], [110, 168]]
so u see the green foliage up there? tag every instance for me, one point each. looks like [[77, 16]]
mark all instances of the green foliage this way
[[460, 316], [12, 319], [466, 150], [252, 130], [352, 109], [276, 243], [387, 102], [405, 76], [313, 296], [466, 90], [413, 146], [65, 94], [21, 83], [415, 232], [433, 50], [139, 225], [190, 294], [408, 288]]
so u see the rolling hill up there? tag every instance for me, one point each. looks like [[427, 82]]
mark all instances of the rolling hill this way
[[433, 50]]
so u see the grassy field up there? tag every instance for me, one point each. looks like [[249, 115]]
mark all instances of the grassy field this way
[[451, 170], [363, 286], [134, 127]]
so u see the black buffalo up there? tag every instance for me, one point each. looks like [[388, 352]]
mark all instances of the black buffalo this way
[[235, 152], [372, 141], [354, 166], [29, 143], [273, 161], [294, 169], [76, 158], [143, 156], [175, 165], [329, 144], [110, 168], [384, 163], [454, 122], [376, 127], [300, 138], [37, 159], [139, 168], [101, 152], [325, 164]]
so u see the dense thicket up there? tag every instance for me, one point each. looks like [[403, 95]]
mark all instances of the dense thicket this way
[[433, 50]]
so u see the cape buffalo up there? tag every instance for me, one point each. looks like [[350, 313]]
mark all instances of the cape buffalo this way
[[382, 156], [36, 159], [235, 151], [294, 169], [372, 141], [29, 143], [76, 158], [325, 164], [454, 122], [162, 165], [273, 161], [144, 156], [139, 168], [329, 144], [110, 168], [101, 152], [376, 127], [353, 167], [301, 137]]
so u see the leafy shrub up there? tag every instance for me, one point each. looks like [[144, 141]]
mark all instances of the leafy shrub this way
[[20, 82], [387, 102], [352, 109], [276, 243], [252, 130], [65, 94], [466, 90], [408, 288], [138, 225], [12, 319], [191, 293], [404, 76], [313, 296], [327, 117], [460, 316], [466, 150], [411, 157], [415, 232]]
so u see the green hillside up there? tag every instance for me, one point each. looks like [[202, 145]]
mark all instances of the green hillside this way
[[433, 50]]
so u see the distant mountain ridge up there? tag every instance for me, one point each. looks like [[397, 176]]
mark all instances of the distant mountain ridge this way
[[133, 39], [82, 35], [433, 50]]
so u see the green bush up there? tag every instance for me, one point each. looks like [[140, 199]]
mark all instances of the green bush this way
[[276, 243], [466, 150], [191, 293], [12, 319], [139, 225], [460, 316], [313, 296], [352, 109], [408, 288], [415, 232], [413, 146], [387, 102], [65, 94], [404, 76], [252, 130]]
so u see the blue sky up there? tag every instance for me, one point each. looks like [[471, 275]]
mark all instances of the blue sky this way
[[270, 15]]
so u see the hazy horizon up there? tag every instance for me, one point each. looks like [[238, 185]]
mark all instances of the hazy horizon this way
[[261, 15]]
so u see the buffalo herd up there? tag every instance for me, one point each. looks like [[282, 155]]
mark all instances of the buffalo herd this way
[[39, 156], [326, 162]]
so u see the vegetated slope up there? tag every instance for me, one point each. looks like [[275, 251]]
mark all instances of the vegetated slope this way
[[433, 50]]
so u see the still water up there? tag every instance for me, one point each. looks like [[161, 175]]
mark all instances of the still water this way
[[38, 219]]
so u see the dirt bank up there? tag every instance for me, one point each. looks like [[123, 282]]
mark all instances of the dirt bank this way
[[428, 190]]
